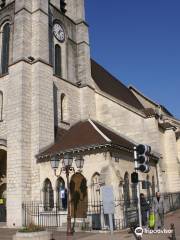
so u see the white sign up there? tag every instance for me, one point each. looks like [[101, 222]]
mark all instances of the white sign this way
[[62, 193], [108, 199]]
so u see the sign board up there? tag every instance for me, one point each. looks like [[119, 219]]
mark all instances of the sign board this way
[[108, 199]]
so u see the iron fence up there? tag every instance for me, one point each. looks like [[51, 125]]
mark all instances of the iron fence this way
[[125, 215]]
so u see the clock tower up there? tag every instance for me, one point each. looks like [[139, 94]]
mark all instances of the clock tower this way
[[46, 82]]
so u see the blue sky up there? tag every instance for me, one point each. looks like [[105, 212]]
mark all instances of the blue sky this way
[[138, 41]]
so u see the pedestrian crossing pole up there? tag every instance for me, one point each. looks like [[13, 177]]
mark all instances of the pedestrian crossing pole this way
[[138, 189]]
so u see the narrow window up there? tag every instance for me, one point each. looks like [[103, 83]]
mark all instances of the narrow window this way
[[55, 98], [64, 108], [61, 194], [1, 106], [57, 64], [95, 191], [126, 190], [5, 48], [48, 195]]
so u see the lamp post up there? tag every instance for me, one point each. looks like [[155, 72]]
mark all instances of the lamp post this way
[[67, 168]]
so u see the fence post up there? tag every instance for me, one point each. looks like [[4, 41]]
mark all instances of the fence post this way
[[173, 235]]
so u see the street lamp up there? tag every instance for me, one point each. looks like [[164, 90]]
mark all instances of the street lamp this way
[[54, 163], [67, 168], [79, 162]]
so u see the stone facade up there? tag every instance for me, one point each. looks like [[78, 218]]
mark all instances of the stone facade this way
[[32, 96]]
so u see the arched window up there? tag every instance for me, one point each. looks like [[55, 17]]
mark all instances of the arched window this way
[[48, 195], [5, 48], [95, 188], [1, 106], [126, 190], [61, 194], [64, 108], [57, 61]]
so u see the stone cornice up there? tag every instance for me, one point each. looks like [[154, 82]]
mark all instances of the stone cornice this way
[[167, 126], [3, 142]]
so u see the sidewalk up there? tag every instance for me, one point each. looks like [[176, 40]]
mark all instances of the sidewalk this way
[[170, 218], [6, 234]]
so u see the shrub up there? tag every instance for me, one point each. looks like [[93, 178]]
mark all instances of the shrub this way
[[31, 228]]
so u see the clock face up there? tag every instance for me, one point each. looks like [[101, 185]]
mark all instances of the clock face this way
[[59, 32]]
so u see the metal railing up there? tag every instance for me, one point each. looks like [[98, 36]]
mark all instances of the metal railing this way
[[125, 214]]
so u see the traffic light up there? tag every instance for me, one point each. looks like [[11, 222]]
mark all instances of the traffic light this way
[[134, 177], [143, 152], [63, 6]]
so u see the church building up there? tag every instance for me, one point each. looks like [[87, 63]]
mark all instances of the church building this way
[[55, 101]]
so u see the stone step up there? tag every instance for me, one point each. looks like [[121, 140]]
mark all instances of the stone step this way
[[7, 233]]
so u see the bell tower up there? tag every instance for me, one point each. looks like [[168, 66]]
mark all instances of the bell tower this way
[[42, 43], [74, 51], [71, 15]]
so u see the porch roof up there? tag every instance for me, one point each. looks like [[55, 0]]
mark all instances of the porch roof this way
[[86, 135]]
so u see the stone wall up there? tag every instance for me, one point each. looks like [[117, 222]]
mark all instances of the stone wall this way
[[178, 148], [72, 94], [172, 171], [18, 141], [127, 122], [75, 10], [111, 171], [143, 130]]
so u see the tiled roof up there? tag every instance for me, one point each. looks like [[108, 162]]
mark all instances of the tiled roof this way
[[84, 135], [112, 86]]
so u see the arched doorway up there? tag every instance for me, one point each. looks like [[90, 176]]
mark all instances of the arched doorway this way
[[79, 197], [3, 170]]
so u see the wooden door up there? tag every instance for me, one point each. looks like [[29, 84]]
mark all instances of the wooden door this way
[[79, 198]]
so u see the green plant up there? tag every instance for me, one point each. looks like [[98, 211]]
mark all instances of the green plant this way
[[31, 228]]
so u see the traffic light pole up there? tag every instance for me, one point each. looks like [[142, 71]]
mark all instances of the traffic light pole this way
[[138, 189]]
